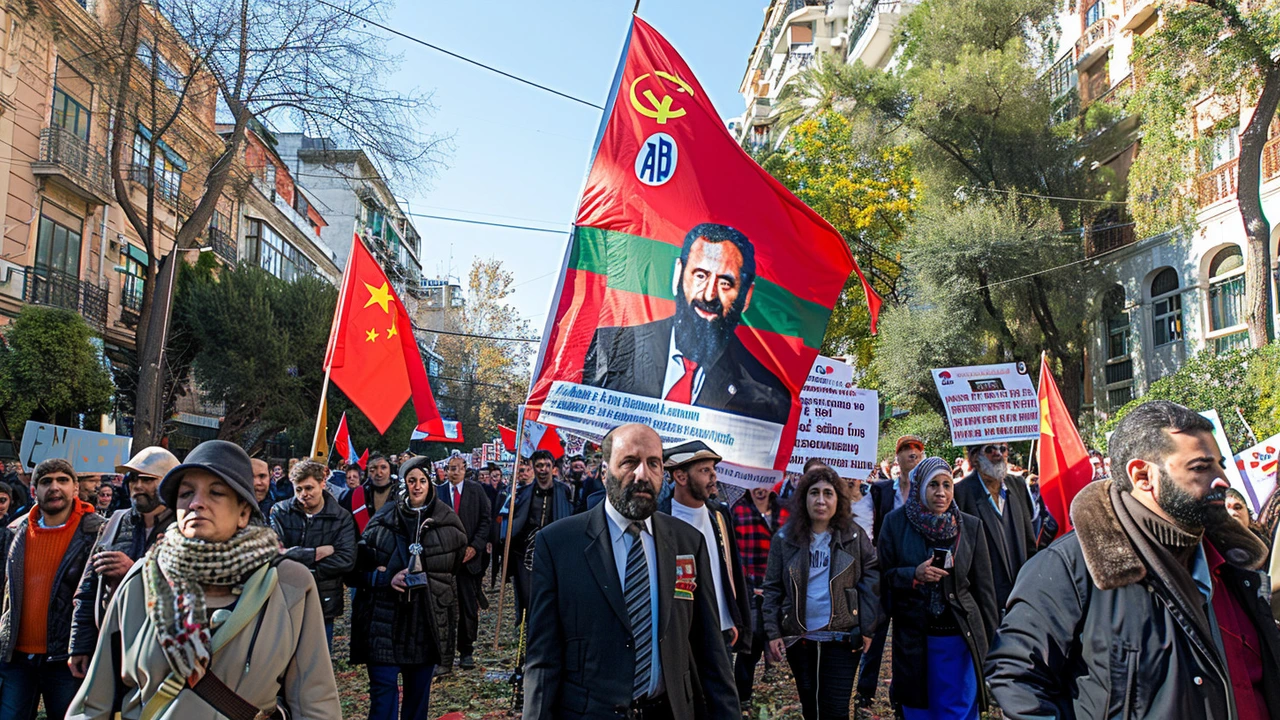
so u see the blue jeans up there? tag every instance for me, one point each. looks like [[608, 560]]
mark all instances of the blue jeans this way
[[30, 677], [383, 692], [328, 634]]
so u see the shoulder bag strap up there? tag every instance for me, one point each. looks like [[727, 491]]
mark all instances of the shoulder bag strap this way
[[257, 591]]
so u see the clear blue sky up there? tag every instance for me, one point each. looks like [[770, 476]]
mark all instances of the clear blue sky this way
[[520, 154]]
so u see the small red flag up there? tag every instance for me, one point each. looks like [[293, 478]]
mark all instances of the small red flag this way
[[1064, 462], [342, 442], [508, 438], [363, 462], [372, 353]]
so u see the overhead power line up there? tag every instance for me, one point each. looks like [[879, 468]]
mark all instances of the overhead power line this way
[[418, 328], [463, 58], [486, 223], [1048, 197]]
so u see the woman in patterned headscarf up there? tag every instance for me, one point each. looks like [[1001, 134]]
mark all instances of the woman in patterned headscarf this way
[[938, 589], [212, 622]]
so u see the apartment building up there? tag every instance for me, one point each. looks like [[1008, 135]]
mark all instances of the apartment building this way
[[66, 241], [356, 199]]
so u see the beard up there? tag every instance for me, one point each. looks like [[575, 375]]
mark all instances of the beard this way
[[701, 494], [992, 469], [144, 503], [701, 340], [1188, 511], [626, 501]]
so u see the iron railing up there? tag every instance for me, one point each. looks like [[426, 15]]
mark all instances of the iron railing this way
[[63, 151], [55, 288], [1105, 238], [1097, 33], [223, 244]]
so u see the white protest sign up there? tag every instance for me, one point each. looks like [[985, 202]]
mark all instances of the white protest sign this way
[[1231, 471], [989, 403], [88, 451], [745, 477], [839, 423], [1257, 465]]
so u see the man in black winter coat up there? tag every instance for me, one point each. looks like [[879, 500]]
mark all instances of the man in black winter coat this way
[[318, 533], [1153, 607], [469, 501]]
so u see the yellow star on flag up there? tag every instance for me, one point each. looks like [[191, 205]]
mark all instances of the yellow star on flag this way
[[392, 332], [371, 335], [379, 295]]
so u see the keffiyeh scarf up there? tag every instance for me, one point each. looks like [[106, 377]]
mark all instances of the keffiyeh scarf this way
[[175, 572]]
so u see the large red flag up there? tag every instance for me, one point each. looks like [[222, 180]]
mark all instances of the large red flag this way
[[1064, 461], [372, 353], [673, 209]]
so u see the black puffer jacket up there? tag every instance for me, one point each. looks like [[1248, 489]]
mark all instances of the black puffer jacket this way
[[854, 585], [301, 535], [13, 545], [417, 626], [1093, 631]]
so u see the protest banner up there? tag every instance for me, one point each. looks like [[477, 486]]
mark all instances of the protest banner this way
[[1234, 477], [839, 423], [87, 451], [989, 403], [1257, 467], [696, 289]]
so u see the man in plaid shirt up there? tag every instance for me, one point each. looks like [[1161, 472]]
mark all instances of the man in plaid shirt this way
[[756, 517]]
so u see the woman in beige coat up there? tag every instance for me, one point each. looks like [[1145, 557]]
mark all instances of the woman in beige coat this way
[[212, 617]]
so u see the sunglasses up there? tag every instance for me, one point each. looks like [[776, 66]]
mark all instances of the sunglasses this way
[[1001, 449]]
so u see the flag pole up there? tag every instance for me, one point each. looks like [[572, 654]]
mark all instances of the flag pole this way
[[320, 438], [511, 516]]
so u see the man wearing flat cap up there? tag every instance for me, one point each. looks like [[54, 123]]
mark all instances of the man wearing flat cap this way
[[692, 466], [127, 536]]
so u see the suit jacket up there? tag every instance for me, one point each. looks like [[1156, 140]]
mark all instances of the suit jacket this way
[[732, 577], [634, 360], [578, 660], [882, 499], [1008, 554], [476, 516]]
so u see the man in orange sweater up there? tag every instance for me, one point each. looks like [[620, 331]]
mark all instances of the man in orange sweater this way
[[44, 554]]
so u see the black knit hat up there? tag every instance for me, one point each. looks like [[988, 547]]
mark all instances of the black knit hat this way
[[226, 460]]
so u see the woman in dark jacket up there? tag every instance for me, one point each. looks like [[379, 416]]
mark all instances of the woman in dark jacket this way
[[821, 594], [940, 593], [405, 611]]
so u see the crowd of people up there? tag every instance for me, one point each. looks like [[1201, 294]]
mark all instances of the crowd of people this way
[[645, 589]]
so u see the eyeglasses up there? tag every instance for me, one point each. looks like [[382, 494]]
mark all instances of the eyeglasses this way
[[1000, 449]]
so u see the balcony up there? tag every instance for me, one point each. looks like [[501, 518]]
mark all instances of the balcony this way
[[74, 164], [1220, 182], [1234, 341], [222, 243], [54, 288], [167, 189], [1096, 37], [1136, 12], [1100, 240], [799, 57]]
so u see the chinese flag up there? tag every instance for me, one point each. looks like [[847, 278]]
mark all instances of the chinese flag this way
[[372, 353], [1064, 462]]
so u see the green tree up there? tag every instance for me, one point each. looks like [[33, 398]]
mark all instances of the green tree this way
[[486, 378], [50, 371], [1223, 49], [257, 345]]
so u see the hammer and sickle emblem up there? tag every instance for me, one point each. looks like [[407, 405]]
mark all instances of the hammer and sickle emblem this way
[[659, 110]]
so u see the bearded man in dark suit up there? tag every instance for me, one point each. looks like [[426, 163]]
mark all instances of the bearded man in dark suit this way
[[637, 633], [694, 357]]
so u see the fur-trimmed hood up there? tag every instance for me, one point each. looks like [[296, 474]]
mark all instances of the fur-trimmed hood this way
[[1113, 560]]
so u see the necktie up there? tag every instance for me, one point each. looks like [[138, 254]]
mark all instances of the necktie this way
[[457, 500], [682, 391], [636, 596]]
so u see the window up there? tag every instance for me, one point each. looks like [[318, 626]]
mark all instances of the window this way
[[1059, 77], [1226, 289], [70, 115], [57, 248], [1096, 12], [265, 248], [1118, 369], [1224, 147], [165, 72], [167, 168], [135, 274], [1166, 308]]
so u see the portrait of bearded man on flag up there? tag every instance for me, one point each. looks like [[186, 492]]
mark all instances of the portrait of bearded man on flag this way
[[694, 357]]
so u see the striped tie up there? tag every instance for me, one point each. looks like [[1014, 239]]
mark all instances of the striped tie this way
[[637, 599]]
